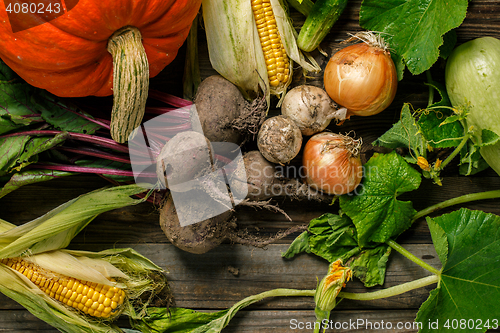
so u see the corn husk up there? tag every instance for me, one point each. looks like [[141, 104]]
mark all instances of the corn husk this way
[[42, 242], [137, 275], [234, 47], [86, 269], [42, 306], [57, 228]]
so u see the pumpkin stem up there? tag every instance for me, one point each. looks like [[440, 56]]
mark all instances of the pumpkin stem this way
[[130, 82]]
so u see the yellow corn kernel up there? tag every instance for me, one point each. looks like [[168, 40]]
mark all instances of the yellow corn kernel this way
[[91, 298], [70, 284], [96, 296], [85, 290], [89, 303], [270, 40], [94, 305], [107, 302]]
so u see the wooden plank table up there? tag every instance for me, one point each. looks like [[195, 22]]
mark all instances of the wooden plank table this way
[[208, 282]]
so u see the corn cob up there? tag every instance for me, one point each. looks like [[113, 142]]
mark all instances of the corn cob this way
[[277, 63], [94, 299]]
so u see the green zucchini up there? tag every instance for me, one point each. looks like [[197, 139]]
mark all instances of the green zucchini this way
[[319, 22]]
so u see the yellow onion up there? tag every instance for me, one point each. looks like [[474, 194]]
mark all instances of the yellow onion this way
[[362, 77], [331, 163]]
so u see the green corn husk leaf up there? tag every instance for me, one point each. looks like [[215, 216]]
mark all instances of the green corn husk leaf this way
[[5, 226], [57, 228], [93, 270], [234, 47], [138, 275]]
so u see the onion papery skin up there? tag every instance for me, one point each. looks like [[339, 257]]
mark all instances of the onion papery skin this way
[[331, 163], [361, 78]]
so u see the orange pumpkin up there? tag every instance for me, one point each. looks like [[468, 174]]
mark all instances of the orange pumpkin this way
[[71, 55]]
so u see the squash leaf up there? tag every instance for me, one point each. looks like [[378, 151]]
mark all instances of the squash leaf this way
[[377, 213], [405, 133], [413, 29], [439, 240], [334, 237], [178, 320], [299, 245], [469, 286], [370, 265], [471, 161]]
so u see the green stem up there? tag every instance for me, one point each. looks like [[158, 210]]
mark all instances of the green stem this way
[[255, 298], [458, 200], [392, 291], [455, 152], [320, 316], [388, 292], [411, 256], [431, 89], [192, 76]]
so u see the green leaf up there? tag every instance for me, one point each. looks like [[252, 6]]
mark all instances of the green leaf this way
[[175, 320], [16, 152], [7, 74], [405, 133], [299, 245], [439, 239], [377, 213], [333, 237], [22, 105], [370, 265], [469, 286], [63, 116], [30, 177], [488, 138], [413, 29], [16, 110], [11, 149], [441, 89], [440, 128], [449, 42], [471, 161]]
